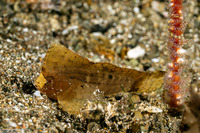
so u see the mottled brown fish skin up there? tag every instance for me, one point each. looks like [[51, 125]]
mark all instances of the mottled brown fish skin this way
[[66, 74]]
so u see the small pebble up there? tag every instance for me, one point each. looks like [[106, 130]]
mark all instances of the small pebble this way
[[12, 124], [155, 60], [37, 93], [138, 115], [135, 98], [136, 52], [153, 109]]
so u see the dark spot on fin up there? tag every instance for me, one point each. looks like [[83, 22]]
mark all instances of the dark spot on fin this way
[[110, 76]]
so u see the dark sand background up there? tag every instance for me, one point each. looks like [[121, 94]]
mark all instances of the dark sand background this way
[[103, 31]]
